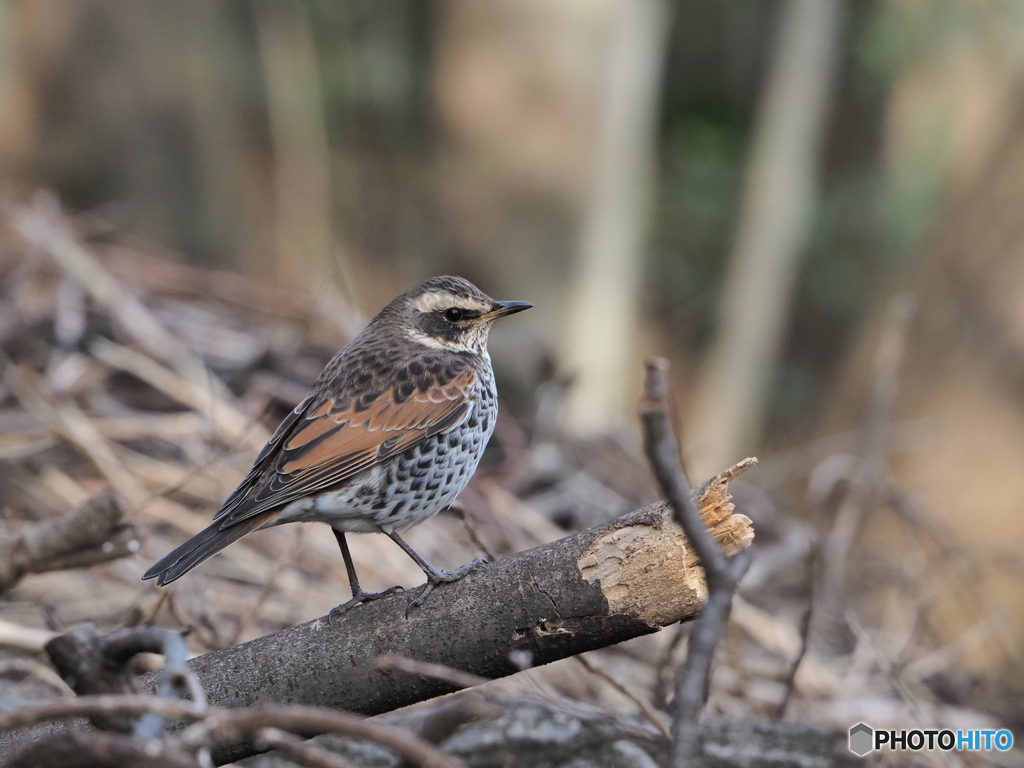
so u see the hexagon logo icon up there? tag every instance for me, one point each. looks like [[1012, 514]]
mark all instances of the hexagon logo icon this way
[[862, 739]]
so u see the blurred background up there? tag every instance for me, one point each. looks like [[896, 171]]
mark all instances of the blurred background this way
[[813, 208]]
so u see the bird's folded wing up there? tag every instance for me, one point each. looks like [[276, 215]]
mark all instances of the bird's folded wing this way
[[316, 447]]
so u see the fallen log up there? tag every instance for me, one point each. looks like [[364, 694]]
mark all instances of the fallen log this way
[[589, 590]]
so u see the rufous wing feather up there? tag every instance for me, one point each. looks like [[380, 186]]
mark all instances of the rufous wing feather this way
[[325, 447]]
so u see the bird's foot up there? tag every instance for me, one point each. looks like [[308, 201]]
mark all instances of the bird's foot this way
[[436, 578], [361, 596]]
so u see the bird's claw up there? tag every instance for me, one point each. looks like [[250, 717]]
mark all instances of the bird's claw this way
[[359, 597], [444, 577]]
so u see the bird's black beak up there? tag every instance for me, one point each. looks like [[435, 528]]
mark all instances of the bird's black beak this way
[[507, 308]]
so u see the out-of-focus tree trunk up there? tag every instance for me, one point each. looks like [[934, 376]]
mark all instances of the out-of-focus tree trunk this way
[[600, 336], [306, 254], [517, 97], [963, 372], [141, 108], [964, 377], [726, 414], [27, 32], [548, 109], [301, 158]]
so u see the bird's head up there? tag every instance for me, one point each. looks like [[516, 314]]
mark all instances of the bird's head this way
[[449, 313]]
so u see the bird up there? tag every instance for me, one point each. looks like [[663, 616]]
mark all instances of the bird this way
[[388, 436]]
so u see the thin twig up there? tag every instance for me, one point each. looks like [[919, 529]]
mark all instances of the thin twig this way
[[300, 750], [722, 572], [44, 227], [864, 479], [40, 672], [805, 630], [471, 528], [790, 679], [208, 635], [227, 726], [98, 706], [888, 668], [233, 425], [252, 615], [68, 421], [867, 479], [649, 712], [665, 681], [451, 714], [38, 547], [428, 670], [216, 726], [958, 559]]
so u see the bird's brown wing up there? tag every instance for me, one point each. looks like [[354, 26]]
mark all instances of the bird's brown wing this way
[[317, 447]]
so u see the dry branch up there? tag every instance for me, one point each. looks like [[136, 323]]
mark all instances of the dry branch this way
[[430, 671], [91, 749], [642, 704], [232, 425], [226, 725], [43, 227], [214, 726], [586, 591], [723, 568], [48, 545], [95, 664], [451, 714], [26, 638], [300, 750]]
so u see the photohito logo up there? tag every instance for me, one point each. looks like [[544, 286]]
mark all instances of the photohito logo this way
[[865, 739], [861, 739]]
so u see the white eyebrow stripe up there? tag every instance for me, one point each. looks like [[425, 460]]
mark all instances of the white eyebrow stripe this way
[[435, 300]]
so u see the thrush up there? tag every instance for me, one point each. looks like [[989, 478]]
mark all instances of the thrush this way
[[391, 432]]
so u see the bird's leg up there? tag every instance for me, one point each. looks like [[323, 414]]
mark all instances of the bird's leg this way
[[434, 576], [358, 594]]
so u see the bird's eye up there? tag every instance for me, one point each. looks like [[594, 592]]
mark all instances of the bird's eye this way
[[453, 315]]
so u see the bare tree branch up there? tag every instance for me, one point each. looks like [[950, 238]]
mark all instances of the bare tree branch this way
[[106, 705], [92, 749], [723, 573], [451, 714], [218, 726], [431, 671], [235, 726], [649, 712], [45, 546], [95, 664], [300, 750]]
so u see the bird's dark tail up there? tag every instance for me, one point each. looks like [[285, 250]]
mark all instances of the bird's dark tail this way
[[203, 546]]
